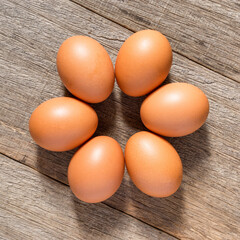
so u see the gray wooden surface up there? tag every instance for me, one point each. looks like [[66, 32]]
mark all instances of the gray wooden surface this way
[[35, 202]]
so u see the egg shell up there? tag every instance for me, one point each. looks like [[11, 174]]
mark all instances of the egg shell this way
[[63, 123], [96, 170], [153, 164], [85, 69], [143, 62], [174, 110]]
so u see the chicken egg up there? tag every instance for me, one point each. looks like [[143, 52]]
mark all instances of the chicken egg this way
[[143, 62], [153, 164], [85, 69], [175, 110], [63, 123], [96, 170]]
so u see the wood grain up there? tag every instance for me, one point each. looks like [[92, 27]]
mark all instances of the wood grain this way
[[207, 32], [206, 206], [34, 206]]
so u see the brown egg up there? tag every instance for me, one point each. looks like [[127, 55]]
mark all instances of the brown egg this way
[[175, 110], [153, 164], [143, 62], [62, 123], [96, 170], [85, 68]]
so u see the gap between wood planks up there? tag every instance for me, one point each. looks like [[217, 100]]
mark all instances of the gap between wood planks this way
[[124, 26], [54, 179]]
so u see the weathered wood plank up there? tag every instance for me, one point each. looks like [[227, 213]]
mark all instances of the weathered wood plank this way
[[33, 206], [206, 204], [207, 32]]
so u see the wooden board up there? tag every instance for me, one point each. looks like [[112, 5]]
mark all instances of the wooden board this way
[[206, 206], [34, 206]]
